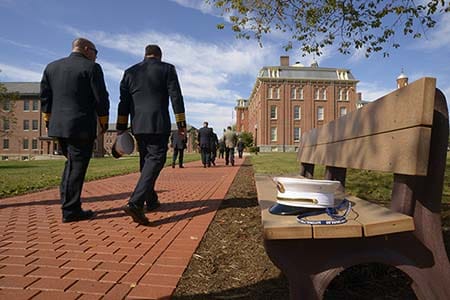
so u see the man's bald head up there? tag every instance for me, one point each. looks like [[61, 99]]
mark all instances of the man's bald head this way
[[85, 47]]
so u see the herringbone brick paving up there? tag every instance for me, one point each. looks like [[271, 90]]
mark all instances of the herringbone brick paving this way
[[109, 257]]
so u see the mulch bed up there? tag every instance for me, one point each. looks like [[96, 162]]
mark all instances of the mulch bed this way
[[231, 262]]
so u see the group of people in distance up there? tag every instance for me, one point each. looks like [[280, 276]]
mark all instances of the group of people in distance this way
[[208, 144]]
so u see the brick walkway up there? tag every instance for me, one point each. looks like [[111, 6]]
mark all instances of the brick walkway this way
[[109, 257]]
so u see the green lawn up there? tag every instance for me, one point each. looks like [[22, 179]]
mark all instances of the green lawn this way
[[368, 185], [19, 177]]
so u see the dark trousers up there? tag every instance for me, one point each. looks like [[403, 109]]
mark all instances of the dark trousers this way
[[78, 153], [229, 156], [152, 154], [221, 152], [205, 153], [213, 155], [178, 153], [240, 152]]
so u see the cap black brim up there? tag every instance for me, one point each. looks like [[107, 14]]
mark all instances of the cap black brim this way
[[286, 210]]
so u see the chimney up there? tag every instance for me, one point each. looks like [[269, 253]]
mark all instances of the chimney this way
[[284, 61], [359, 95]]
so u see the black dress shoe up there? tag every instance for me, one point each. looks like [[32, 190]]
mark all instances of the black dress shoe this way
[[136, 213], [153, 205], [173, 166], [82, 215], [181, 166]]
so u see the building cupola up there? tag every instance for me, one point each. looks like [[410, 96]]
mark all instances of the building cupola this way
[[402, 80]]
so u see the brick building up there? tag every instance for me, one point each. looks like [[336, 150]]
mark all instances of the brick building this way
[[25, 137], [287, 100]]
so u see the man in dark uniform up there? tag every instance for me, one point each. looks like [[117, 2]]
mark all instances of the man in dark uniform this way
[[144, 94], [178, 144], [204, 142], [213, 147], [73, 96], [240, 147]]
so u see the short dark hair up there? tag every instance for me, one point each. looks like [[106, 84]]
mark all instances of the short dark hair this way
[[153, 50]]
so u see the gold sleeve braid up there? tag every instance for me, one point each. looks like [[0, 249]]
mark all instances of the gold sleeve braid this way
[[122, 122], [181, 120], [103, 120], [46, 116]]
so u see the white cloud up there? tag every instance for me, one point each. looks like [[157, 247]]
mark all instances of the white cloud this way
[[439, 36], [218, 116], [111, 70], [200, 5], [205, 69], [13, 73], [371, 91], [34, 49]]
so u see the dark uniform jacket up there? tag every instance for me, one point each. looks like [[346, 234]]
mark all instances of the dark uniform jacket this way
[[73, 94], [177, 141], [144, 94], [204, 137], [214, 141]]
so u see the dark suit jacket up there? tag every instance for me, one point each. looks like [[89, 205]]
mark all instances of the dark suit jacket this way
[[177, 141], [214, 141], [144, 94], [73, 94], [204, 137]]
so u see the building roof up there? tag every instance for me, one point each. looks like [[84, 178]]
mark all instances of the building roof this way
[[309, 73], [23, 88]]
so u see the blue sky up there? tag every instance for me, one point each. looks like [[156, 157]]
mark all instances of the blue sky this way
[[214, 68]]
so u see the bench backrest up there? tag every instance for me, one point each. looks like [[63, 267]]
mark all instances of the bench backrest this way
[[405, 132], [391, 134]]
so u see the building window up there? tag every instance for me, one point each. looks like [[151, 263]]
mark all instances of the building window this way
[[273, 112], [297, 93], [343, 94], [6, 105], [343, 111], [273, 134], [270, 93], [34, 144], [34, 124], [25, 144], [242, 115], [320, 113], [274, 93], [324, 94], [35, 105], [5, 144], [5, 125], [5, 157], [242, 128], [26, 105], [297, 134], [297, 113], [24, 157], [26, 124], [316, 93]]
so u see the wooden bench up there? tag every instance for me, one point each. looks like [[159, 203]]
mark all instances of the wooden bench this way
[[404, 133]]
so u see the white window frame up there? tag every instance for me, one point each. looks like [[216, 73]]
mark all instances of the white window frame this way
[[273, 116], [35, 101], [26, 143], [6, 141], [341, 109], [320, 113], [298, 112], [297, 134], [34, 144], [27, 127], [273, 134], [32, 125], [27, 105]]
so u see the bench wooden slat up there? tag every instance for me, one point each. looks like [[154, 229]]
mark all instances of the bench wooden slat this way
[[407, 107], [404, 152], [366, 219], [378, 220]]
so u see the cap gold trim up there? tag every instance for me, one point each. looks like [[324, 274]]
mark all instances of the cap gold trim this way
[[103, 119], [180, 117]]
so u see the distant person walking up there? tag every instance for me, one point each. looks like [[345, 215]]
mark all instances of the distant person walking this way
[[221, 148], [73, 99], [204, 142], [230, 139], [214, 144], [144, 94], [178, 144], [240, 147]]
